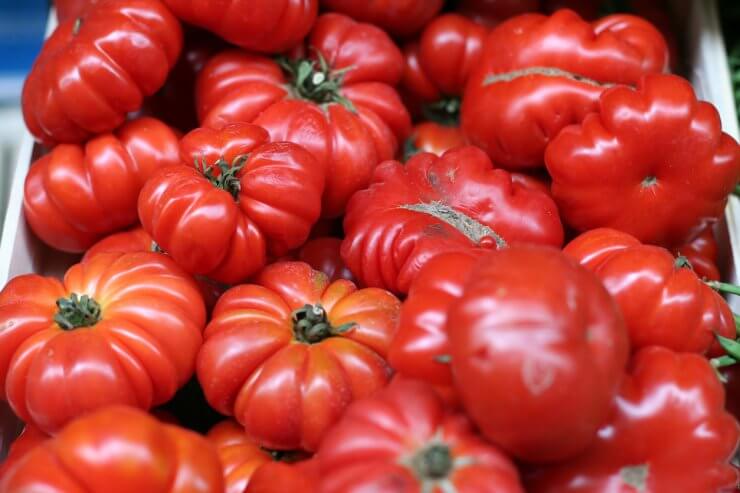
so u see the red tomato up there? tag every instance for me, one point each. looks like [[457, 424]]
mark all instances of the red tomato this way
[[551, 75], [435, 204], [119, 450], [340, 105], [663, 302], [71, 9], [731, 375], [669, 432], [701, 252], [323, 255], [538, 349], [402, 439], [433, 137], [279, 477], [243, 197], [398, 17], [268, 26], [294, 341], [120, 329], [588, 9], [77, 194], [492, 12], [240, 457], [682, 166], [97, 68], [29, 438]]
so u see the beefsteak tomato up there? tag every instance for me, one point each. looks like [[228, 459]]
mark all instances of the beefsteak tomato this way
[[77, 194], [432, 137], [120, 329], [398, 17], [323, 255], [98, 67], [118, 450], [539, 74], [339, 104], [242, 198], [279, 477], [240, 457], [432, 204], [285, 356], [29, 438], [538, 349]]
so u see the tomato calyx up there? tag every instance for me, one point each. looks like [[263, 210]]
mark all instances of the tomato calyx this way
[[311, 324], [649, 181], [446, 111], [635, 476], [155, 248], [682, 262], [286, 456], [478, 233], [77, 311], [544, 71], [224, 175], [314, 80], [77, 26]]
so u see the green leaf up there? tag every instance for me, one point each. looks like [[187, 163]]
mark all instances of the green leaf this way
[[730, 345]]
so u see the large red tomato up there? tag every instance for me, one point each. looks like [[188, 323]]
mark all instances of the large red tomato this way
[[433, 204], [77, 194], [120, 329], [669, 432], [701, 252], [538, 349], [398, 17], [279, 477], [71, 9], [339, 104], [241, 198], [403, 439], [97, 68], [432, 137], [29, 439], [663, 301], [323, 254], [286, 355], [539, 74], [269, 26], [240, 457], [118, 450]]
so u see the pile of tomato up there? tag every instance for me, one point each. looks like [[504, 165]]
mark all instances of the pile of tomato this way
[[389, 246]]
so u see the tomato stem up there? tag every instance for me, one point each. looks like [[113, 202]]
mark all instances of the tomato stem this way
[[311, 324], [315, 81], [724, 287], [433, 462], [224, 175], [77, 311], [722, 361], [682, 262], [446, 111]]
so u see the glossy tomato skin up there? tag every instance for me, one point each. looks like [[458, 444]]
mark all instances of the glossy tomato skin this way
[[492, 12], [267, 26], [323, 255], [226, 237], [71, 9], [386, 443], [29, 438], [399, 17], [701, 252], [432, 204], [539, 74], [683, 165], [279, 477], [77, 194], [259, 367], [663, 301], [658, 439], [433, 137], [87, 78], [139, 353], [240, 457], [349, 135], [119, 450], [538, 349]]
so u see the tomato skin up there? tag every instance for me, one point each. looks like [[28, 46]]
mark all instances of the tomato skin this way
[[71, 9], [119, 450], [683, 165], [279, 477], [77, 194], [433, 137], [399, 17], [206, 230], [323, 255], [375, 444], [492, 12], [29, 438], [253, 365], [385, 221], [85, 83], [685, 442], [663, 303], [240, 87], [267, 26], [239, 456], [139, 353], [538, 349], [512, 114]]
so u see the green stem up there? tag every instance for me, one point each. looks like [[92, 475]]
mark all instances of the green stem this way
[[433, 462], [446, 111], [77, 311], [224, 175], [315, 80], [311, 324], [723, 361], [737, 189], [737, 323], [724, 287]]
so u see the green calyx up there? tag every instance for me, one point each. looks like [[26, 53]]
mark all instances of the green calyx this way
[[77, 311], [77, 26], [224, 175], [433, 462], [311, 325], [314, 80], [682, 262], [446, 111], [649, 181]]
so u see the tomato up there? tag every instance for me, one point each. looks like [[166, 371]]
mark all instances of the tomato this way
[[119, 450], [71, 9], [286, 355], [268, 26], [669, 432], [402, 439], [279, 477], [663, 301], [550, 75], [398, 17], [682, 168], [323, 255], [242, 198], [119, 329], [537, 349], [240, 457], [492, 12], [77, 194], [432, 137], [97, 68], [435, 204], [340, 104], [731, 376], [29, 438], [702, 254]]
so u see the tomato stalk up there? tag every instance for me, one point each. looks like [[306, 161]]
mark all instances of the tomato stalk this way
[[77, 311], [311, 325], [724, 287], [317, 82], [433, 462], [446, 111], [224, 175]]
